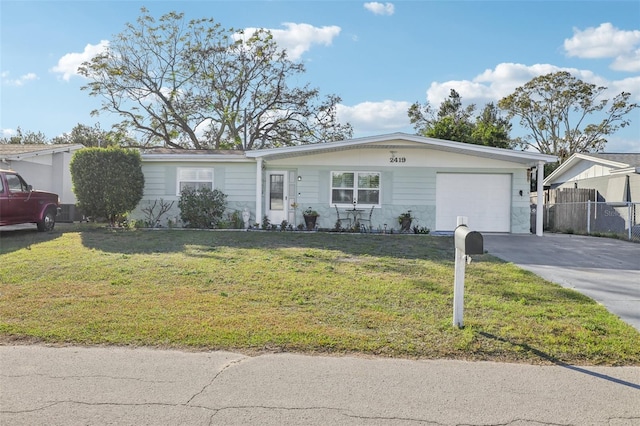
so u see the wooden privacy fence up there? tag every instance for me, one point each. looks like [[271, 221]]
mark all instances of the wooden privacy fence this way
[[569, 209]]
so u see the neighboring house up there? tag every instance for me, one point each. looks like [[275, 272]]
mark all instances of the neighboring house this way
[[437, 180], [595, 193], [45, 167], [616, 177]]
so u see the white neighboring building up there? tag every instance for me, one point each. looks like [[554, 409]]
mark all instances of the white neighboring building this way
[[616, 177], [45, 167]]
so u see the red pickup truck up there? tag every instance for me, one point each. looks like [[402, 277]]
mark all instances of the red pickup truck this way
[[20, 203]]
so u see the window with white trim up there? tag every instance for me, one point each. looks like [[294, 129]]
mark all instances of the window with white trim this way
[[363, 187], [194, 177]]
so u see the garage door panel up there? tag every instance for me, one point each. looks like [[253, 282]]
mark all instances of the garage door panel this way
[[484, 198]]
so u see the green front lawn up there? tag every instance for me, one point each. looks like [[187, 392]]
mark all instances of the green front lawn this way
[[383, 295]]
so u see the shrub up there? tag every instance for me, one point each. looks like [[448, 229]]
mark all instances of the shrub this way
[[108, 182], [420, 230], [201, 208], [153, 215], [235, 220], [266, 223]]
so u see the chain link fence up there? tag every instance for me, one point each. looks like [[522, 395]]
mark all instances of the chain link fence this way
[[621, 220]]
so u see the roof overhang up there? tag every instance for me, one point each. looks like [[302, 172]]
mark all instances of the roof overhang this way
[[196, 158], [38, 151], [626, 170], [405, 141], [577, 158]]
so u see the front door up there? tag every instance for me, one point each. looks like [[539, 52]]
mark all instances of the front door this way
[[277, 196]]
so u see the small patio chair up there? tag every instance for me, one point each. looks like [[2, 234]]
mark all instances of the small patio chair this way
[[365, 224], [342, 219]]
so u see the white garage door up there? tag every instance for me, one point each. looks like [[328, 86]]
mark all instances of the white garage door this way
[[484, 198]]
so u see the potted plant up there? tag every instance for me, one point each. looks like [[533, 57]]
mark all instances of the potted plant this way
[[310, 218], [405, 220]]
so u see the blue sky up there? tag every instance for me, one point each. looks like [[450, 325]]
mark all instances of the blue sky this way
[[378, 57]]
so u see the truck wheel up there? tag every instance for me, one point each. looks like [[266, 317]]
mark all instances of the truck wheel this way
[[48, 221]]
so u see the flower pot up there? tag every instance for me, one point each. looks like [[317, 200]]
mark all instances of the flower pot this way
[[310, 222], [405, 224]]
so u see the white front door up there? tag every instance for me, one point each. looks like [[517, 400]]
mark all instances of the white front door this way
[[277, 196]]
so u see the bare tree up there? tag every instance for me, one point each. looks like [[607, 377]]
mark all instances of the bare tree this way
[[556, 109], [197, 85]]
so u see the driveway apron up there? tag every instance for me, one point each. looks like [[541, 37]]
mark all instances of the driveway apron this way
[[606, 270]]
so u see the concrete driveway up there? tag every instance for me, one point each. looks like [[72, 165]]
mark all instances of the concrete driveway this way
[[606, 270]]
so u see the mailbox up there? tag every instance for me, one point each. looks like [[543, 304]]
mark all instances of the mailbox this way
[[470, 242]]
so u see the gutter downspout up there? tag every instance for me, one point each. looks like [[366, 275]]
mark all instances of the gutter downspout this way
[[540, 206], [259, 191]]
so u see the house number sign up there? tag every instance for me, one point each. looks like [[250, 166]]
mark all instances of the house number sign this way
[[395, 159]]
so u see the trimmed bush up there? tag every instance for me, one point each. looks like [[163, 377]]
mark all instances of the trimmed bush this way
[[201, 208], [108, 182]]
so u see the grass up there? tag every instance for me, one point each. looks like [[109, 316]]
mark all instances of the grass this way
[[381, 295]]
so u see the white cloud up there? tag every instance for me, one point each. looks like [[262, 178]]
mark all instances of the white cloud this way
[[298, 38], [6, 133], [630, 85], [629, 63], [494, 84], [616, 143], [375, 117], [69, 63], [20, 81], [607, 41], [380, 8]]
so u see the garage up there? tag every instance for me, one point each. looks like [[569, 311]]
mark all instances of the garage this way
[[484, 198]]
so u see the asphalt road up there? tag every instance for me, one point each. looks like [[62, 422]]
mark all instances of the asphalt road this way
[[604, 269], [106, 385]]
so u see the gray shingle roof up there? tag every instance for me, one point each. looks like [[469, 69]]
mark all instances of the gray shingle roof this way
[[7, 150], [632, 159], [172, 151]]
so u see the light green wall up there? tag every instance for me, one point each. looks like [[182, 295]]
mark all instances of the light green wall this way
[[408, 186], [236, 180], [401, 190]]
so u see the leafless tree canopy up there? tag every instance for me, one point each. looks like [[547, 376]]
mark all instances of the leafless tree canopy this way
[[556, 109], [196, 85]]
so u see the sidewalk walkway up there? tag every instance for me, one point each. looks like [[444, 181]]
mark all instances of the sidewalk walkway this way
[[96, 386]]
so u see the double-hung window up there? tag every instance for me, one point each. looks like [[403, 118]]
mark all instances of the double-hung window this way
[[194, 177], [361, 187]]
